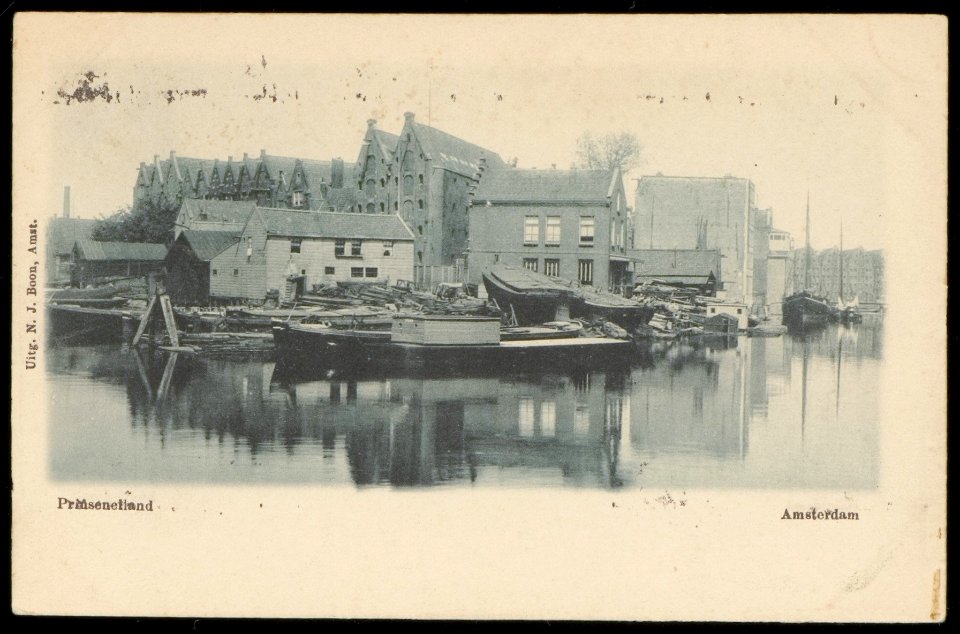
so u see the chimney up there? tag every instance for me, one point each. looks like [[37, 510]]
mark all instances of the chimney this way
[[336, 173], [245, 156], [173, 155], [371, 123], [408, 116], [230, 159], [66, 201], [263, 153]]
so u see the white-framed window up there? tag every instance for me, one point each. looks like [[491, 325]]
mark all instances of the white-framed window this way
[[355, 247], [530, 264], [370, 271], [531, 230], [527, 414], [387, 247], [339, 247], [295, 244], [553, 230], [298, 199], [586, 230]]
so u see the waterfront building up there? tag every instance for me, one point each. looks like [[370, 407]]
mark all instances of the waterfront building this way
[[290, 251], [97, 263], [433, 173], [682, 212], [863, 273], [571, 224], [779, 270], [375, 170], [188, 264], [212, 215], [686, 268]]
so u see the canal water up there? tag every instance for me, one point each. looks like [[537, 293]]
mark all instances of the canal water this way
[[779, 412]]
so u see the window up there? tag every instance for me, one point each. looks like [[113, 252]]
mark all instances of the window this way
[[526, 416], [236, 272], [548, 419], [295, 245], [421, 178], [551, 267], [394, 205], [370, 271], [586, 230], [214, 272], [370, 208], [530, 264], [387, 247], [355, 247], [298, 199], [356, 271], [382, 208], [531, 230], [329, 270], [553, 230], [585, 271], [420, 204], [339, 247]]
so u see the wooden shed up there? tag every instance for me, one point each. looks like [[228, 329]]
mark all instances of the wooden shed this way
[[102, 262], [188, 264]]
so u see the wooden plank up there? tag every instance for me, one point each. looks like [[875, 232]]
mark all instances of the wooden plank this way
[[144, 321], [169, 320], [167, 376]]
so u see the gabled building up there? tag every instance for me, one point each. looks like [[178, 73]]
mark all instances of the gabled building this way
[[212, 215], [433, 173], [289, 251], [571, 224], [375, 193], [188, 264]]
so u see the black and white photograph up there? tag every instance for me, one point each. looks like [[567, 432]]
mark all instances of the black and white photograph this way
[[597, 317]]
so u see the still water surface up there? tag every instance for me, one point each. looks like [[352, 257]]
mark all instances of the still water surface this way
[[766, 412]]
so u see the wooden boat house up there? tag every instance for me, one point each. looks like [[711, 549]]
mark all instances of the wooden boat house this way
[[102, 262], [188, 264]]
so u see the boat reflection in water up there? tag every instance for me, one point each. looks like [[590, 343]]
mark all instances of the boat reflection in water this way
[[751, 412]]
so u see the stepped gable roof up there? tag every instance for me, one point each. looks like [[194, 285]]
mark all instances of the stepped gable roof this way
[[386, 141], [102, 251], [207, 244], [323, 224], [452, 153], [533, 185], [63, 233]]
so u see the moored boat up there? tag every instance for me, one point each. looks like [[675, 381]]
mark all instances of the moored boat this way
[[444, 342], [530, 297], [549, 330], [596, 304]]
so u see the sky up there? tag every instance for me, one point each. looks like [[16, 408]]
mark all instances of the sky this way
[[796, 104]]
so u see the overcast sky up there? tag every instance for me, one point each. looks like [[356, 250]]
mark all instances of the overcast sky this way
[[792, 103]]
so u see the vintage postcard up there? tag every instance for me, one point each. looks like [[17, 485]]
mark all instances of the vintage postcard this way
[[617, 317]]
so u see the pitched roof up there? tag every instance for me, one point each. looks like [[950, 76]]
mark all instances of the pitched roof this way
[[143, 251], [62, 233], [340, 199], [207, 244], [225, 211], [676, 262], [454, 154], [530, 185], [388, 142], [324, 224]]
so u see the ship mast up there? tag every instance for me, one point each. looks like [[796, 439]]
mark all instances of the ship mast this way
[[841, 262], [806, 263]]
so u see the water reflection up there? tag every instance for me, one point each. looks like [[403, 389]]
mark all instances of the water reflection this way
[[782, 411]]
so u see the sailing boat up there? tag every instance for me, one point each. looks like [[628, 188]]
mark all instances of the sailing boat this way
[[804, 309], [848, 312]]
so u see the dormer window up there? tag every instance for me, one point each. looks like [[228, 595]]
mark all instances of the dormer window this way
[[298, 199]]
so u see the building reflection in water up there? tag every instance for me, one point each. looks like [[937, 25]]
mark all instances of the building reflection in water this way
[[753, 411]]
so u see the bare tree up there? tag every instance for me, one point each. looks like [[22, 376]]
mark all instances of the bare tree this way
[[617, 149]]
